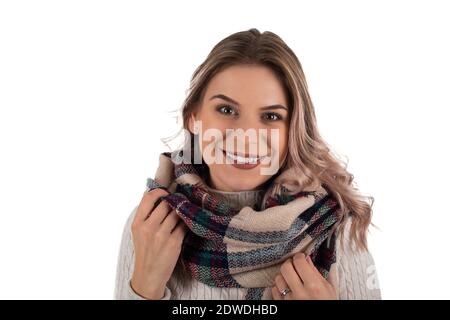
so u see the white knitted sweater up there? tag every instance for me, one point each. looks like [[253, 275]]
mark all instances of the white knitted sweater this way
[[356, 270]]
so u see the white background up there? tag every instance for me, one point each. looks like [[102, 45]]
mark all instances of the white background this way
[[86, 90]]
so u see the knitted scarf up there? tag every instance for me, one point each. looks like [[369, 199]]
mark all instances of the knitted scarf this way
[[227, 247]]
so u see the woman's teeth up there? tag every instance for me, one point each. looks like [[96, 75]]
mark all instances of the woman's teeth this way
[[239, 159]]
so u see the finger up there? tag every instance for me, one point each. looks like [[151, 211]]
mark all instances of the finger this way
[[281, 285], [293, 280], [170, 221], [308, 258], [147, 203], [276, 295], [180, 230], [158, 214], [304, 269], [280, 282]]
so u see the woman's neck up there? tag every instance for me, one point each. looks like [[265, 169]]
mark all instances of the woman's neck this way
[[240, 199]]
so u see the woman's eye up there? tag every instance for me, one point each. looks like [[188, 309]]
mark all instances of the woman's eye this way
[[226, 109], [272, 116]]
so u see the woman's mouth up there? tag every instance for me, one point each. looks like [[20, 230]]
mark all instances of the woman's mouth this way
[[241, 161]]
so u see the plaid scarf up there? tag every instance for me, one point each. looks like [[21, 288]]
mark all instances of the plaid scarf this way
[[245, 248]]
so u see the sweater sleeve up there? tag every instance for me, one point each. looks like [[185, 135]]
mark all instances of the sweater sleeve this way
[[358, 279], [125, 266]]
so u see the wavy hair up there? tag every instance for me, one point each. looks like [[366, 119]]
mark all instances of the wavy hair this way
[[307, 150]]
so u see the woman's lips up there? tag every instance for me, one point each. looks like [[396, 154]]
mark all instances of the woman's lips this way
[[238, 162]]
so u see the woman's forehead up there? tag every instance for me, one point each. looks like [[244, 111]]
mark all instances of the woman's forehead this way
[[247, 85]]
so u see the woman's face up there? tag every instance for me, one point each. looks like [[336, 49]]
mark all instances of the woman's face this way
[[244, 112]]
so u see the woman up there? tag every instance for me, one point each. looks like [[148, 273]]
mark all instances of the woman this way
[[249, 81]]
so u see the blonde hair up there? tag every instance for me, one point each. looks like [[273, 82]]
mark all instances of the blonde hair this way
[[307, 150]]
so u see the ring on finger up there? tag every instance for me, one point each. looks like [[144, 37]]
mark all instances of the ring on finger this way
[[285, 291]]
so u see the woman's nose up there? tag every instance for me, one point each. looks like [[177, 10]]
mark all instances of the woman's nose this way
[[248, 139]]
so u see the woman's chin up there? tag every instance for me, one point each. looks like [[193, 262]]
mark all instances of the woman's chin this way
[[238, 179], [241, 184]]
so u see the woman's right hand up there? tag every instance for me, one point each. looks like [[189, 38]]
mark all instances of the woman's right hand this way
[[157, 237]]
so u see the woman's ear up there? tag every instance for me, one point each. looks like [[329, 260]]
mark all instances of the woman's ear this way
[[192, 125]]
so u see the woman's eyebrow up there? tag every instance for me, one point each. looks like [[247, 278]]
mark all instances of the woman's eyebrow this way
[[275, 106], [224, 97]]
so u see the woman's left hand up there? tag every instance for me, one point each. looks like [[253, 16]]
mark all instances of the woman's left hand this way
[[303, 279]]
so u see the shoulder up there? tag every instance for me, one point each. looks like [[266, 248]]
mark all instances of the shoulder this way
[[126, 246], [130, 218], [357, 273], [125, 261], [126, 229]]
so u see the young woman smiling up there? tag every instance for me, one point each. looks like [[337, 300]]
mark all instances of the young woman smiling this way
[[251, 81]]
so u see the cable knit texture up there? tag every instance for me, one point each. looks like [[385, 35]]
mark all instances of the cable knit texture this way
[[357, 274]]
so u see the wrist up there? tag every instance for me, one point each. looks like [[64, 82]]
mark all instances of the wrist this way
[[149, 291]]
